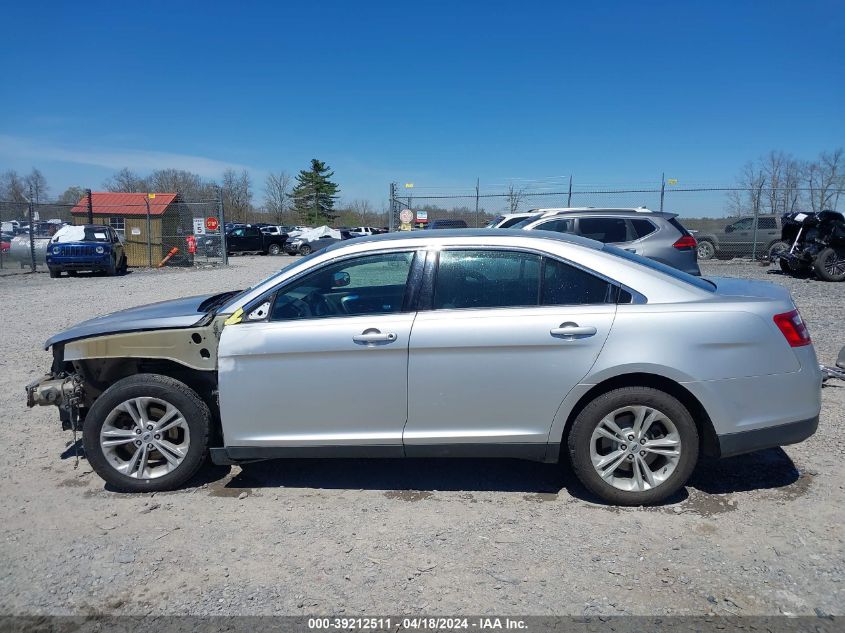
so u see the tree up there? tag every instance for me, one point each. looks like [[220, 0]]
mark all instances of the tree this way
[[783, 178], [125, 181], [71, 195], [188, 185], [12, 187], [277, 195], [825, 180], [514, 197], [315, 194], [237, 194], [37, 184], [747, 198]]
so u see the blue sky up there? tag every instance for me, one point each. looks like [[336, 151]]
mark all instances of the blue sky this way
[[435, 93]]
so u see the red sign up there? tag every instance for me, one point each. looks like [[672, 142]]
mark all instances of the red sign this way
[[212, 224]]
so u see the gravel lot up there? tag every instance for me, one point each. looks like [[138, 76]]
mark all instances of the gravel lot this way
[[757, 534]]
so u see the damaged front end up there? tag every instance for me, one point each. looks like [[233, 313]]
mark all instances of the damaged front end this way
[[61, 389]]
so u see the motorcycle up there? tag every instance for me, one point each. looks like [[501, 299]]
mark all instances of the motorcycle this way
[[813, 243]]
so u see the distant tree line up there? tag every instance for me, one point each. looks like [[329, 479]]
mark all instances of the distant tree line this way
[[778, 183]]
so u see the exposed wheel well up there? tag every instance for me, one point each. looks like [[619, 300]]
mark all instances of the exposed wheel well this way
[[709, 443], [100, 373]]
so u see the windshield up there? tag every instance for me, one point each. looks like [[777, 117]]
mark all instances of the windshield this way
[[523, 223], [698, 282], [492, 224], [81, 234]]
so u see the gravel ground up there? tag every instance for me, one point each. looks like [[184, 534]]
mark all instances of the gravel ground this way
[[757, 534]]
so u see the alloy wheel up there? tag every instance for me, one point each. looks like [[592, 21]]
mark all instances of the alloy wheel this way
[[635, 448], [145, 438]]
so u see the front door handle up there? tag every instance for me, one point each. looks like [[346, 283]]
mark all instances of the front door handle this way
[[569, 331], [373, 335]]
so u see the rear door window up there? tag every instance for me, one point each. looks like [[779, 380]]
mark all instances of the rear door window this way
[[486, 279], [564, 284], [766, 223], [607, 230]]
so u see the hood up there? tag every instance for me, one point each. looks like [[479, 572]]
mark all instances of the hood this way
[[177, 313]]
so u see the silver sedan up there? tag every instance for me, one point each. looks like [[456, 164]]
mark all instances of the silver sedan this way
[[493, 343]]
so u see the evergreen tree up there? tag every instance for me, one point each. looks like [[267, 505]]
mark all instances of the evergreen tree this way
[[314, 194]]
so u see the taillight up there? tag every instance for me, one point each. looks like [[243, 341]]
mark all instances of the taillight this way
[[685, 243], [793, 328]]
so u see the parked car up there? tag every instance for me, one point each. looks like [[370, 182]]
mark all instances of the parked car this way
[[251, 239], [93, 247], [276, 230], [627, 368], [360, 231], [813, 243], [737, 238], [507, 220], [446, 224], [317, 239], [658, 236], [6, 241]]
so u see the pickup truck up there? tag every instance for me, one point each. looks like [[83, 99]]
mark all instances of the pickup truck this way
[[737, 238], [251, 239]]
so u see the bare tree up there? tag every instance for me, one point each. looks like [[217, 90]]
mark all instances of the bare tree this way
[[12, 187], [125, 181], [277, 200], [825, 180], [783, 178], [187, 184], [514, 197], [237, 194], [748, 197], [37, 184], [71, 195]]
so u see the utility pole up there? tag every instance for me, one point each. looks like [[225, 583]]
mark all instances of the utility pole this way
[[149, 230], [392, 209], [90, 206], [477, 183], [222, 227], [662, 189], [31, 230], [569, 197]]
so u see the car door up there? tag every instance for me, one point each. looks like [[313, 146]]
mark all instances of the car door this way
[[507, 336], [235, 240], [737, 237], [322, 361], [252, 239]]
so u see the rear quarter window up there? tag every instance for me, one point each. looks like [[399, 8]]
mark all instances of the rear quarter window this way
[[641, 228]]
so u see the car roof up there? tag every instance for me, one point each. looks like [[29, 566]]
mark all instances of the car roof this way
[[624, 212], [436, 234]]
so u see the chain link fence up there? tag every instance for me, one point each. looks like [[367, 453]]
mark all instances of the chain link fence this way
[[155, 231], [727, 222]]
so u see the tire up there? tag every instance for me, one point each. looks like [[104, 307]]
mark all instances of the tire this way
[[776, 248], [121, 270], [706, 250], [111, 269], [829, 264], [193, 426], [71, 273], [305, 249], [274, 249], [673, 422], [55, 273]]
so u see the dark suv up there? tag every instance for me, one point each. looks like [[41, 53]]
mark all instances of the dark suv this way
[[658, 236]]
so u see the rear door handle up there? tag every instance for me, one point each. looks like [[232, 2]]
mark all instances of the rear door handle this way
[[374, 336], [570, 330]]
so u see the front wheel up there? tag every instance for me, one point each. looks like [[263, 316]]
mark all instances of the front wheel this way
[[706, 250], [633, 446], [147, 433], [305, 249], [830, 265], [776, 248], [124, 266], [55, 273]]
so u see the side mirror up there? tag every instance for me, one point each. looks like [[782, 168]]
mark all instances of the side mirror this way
[[340, 280]]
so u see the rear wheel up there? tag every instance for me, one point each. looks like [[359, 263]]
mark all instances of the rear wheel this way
[[633, 446], [706, 250], [830, 265], [111, 269], [305, 249], [55, 273], [147, 433], [274, 249], [123, 266], [776, 248]]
